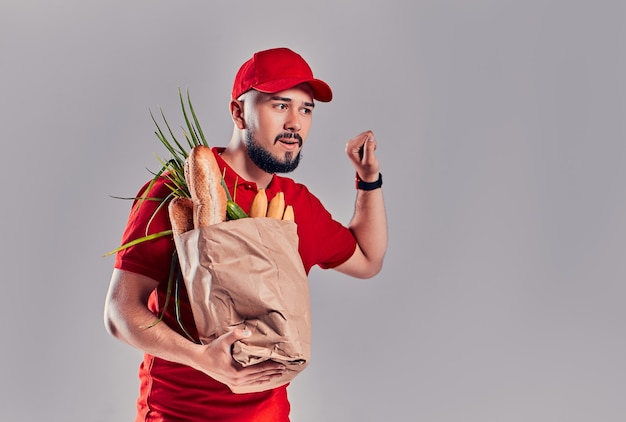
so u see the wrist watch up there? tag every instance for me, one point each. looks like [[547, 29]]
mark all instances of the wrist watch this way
[[361, 185]]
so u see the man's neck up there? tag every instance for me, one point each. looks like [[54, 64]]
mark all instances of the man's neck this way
[[236, 156]]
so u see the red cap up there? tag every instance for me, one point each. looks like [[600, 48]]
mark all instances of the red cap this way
[[275, 70]]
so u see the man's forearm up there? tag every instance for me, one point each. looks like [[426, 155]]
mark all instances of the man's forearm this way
[[369, 226], [128, 319]]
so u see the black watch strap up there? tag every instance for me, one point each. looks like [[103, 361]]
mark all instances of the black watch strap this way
[[361, 185]]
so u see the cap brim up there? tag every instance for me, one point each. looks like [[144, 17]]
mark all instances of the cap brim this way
[[321, 90]]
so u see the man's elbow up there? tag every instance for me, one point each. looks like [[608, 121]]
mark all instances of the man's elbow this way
[[110, 322], [373, 269], [365, 270]]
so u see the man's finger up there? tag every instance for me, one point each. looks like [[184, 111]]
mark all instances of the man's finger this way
[[369, 146], [233, 336], [356, 146]]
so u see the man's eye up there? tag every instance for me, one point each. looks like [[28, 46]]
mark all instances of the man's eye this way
[[281, 106], [307, 111]]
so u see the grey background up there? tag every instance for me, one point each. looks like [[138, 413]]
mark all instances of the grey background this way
[[501, 136]]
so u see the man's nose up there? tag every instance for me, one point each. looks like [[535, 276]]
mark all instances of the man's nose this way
[[292, 123]]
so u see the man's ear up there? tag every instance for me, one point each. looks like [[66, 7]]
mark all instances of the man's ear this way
[[236, 113]]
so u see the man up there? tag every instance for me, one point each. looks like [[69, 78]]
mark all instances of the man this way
[[272, 105]]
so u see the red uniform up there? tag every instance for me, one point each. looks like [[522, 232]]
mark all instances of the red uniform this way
[[173, 392]]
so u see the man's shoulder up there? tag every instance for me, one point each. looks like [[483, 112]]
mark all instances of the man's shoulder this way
[[161, 184], [298, 193], [287, 183]]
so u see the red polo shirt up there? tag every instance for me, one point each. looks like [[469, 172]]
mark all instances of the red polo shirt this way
[[170, 391]]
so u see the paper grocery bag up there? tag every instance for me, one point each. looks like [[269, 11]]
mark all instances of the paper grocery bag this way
[[247, 273]]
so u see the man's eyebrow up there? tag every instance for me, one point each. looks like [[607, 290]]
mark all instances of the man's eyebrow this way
[[288, 100]]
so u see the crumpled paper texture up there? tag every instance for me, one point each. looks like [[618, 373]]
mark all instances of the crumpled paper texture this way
[[247, 273]]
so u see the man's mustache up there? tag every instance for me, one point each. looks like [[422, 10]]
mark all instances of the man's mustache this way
[[289, 135]]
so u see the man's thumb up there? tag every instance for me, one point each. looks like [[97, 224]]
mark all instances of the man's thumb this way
[[238, 334]]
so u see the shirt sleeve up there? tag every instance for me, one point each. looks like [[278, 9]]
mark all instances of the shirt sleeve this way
[[151, 258], [335, 242], [323, 240]]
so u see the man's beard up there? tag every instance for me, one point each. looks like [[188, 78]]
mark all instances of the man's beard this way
[[264, 160]]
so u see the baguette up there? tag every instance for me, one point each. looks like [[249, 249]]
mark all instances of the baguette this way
[[181, 215], [204, 181]]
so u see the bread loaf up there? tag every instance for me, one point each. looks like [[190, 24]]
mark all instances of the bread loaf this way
[[181, 215], [204, 181]]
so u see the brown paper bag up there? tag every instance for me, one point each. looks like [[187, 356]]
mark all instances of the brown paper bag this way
[[248, 274]]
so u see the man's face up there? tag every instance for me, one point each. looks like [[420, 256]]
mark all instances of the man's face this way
[[276, 127]]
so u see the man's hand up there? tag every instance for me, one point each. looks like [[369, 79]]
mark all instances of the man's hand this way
[[216, 361], [361, 149]]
